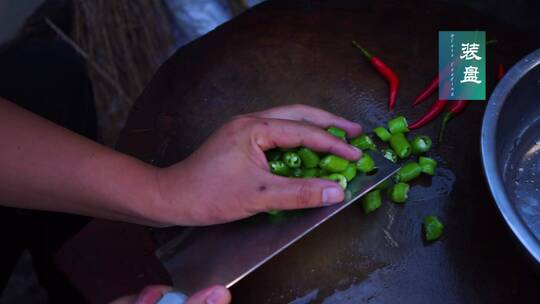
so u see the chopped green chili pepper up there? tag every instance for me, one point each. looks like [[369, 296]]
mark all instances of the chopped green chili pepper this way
[[383, 185], [333, 163], [337, 132], [338, 178], [279, 167], [349, 172], [390, 155], [292, 159], [382, 133], [401, 146], [433, 228], [273, 212], [310, 172], [363, 142], [309, 158], [398, 193], [408, 172], [420, 144], [273, 154], [297, 172], [365, 164], [398, 125], [371, 201], [428, 165]]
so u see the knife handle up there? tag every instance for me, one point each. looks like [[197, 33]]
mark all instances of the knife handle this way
[[173, 297]]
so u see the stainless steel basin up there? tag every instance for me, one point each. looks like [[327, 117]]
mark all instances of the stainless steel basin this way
[[510, 144]]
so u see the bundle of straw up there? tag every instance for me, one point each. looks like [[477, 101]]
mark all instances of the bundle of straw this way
[[124, 42]]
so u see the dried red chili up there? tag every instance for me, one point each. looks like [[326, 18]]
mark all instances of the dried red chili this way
[[431, 114], [432, 87], [500, 72], [386, 72]]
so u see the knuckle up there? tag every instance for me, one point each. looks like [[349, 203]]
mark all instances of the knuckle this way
[[240, 123], [335, 149], [304, 195], [241, 120]]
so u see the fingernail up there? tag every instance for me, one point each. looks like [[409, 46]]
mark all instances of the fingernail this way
[[216, 296], [331, 195], [173, 297], [357, 150]]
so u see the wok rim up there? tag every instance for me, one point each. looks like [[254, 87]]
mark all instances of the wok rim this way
[[492, 171]]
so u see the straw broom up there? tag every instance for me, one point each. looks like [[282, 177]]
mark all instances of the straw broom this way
[[124, 41]]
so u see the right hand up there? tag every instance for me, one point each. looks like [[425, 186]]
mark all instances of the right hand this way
[[152, 294]]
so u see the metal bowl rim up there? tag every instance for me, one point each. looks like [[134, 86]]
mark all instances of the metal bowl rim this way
[[489, 159]]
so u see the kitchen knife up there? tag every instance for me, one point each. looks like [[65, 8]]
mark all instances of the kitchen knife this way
[[223, 254]]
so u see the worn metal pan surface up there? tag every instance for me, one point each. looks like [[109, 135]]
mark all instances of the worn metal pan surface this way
[[511, 150]]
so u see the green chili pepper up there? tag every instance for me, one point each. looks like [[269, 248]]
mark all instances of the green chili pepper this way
[[273, 212], [371, 201], [273, 154], [390, 155], [401, 146], [321, 173], [398, 125], [297, 172], [382, 133], [337, 132], [310, 172], [408, 172], [398, 193], [433, 228], [338, 178], [292, 159], [420, 144], [279, 167], [349, 172], [333, 163], [363, 142], [365, 164], [309, 158], [428, 165], [383, 185]]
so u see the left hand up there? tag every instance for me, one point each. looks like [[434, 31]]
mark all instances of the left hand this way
[[228, 177]]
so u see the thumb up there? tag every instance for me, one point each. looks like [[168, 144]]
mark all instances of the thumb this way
[[211, 295], [295, 193]]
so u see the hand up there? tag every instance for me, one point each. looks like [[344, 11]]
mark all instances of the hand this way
[[152, 294], [228, 177]]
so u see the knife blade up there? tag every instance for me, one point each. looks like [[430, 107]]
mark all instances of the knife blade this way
[[223, 254]]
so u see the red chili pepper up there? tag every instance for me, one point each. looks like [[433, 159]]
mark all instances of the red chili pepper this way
[[432, 87], [500, 72], [386, 72], [431, 114], [454, 110]]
